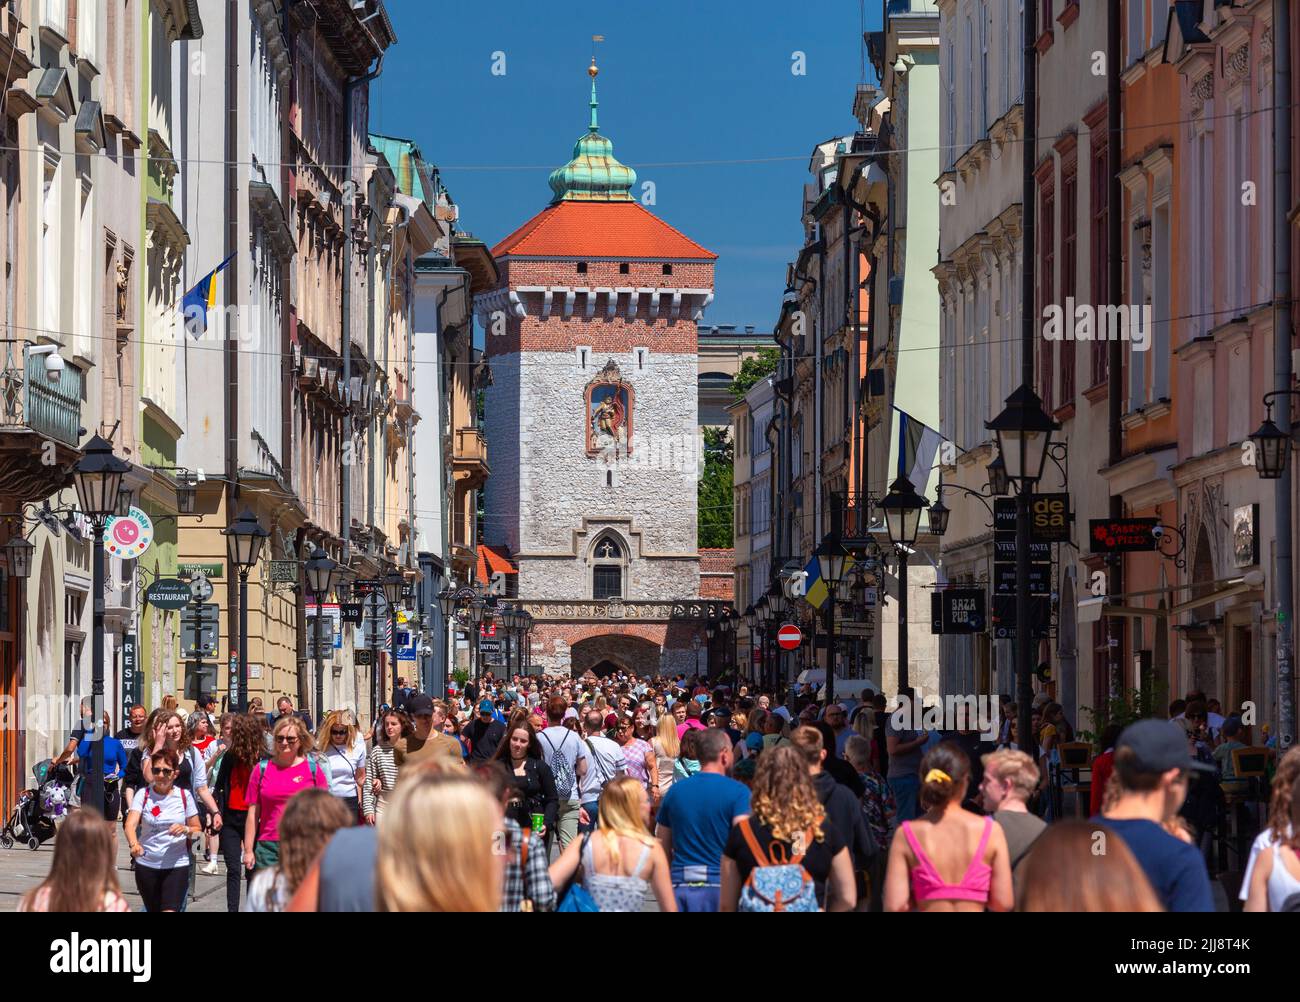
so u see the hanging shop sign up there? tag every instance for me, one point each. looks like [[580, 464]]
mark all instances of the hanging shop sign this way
[[128, 536], [958, 610], [1122, 535]]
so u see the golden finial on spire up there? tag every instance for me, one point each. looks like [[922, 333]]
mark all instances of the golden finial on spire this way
[[592, 70]]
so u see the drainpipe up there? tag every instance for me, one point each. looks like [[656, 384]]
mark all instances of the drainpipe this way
[[1282, 372], [349, 200], [231, 285], [1114, 291]]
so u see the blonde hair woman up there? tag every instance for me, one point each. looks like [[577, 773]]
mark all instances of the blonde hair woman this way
[[786, 815], [270, 785], [623, 859], [343, 758], [667, 746], [435, 848]]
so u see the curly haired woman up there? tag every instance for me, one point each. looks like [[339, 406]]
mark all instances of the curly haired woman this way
[[787, 820]]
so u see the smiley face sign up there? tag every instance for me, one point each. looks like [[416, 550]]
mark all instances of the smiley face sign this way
[[128, 537]]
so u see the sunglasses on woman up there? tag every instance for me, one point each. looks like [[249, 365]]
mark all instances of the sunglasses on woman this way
[[286, 739], [164, 772], [339, 732]]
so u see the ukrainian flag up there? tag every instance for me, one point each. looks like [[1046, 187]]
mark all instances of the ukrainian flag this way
[[200, 299], [815, 589]]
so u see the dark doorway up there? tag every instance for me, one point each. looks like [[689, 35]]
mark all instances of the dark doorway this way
[[604, 668]]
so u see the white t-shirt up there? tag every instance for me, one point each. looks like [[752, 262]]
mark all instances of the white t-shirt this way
[[162, 850], [1264, 840], [562, 741], [605, 760], [341, 769]]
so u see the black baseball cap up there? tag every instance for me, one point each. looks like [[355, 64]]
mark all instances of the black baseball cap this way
[[419, 704], [1158, 746]]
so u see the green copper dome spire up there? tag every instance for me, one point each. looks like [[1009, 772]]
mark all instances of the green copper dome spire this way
[[593, 175]]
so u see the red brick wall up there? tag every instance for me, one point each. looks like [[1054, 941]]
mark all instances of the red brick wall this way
[[601, 334]]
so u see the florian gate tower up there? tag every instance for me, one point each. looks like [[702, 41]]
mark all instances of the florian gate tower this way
[[591, 422]]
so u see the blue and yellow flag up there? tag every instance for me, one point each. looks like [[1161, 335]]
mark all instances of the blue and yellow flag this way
[[815, 589], [200, 299]]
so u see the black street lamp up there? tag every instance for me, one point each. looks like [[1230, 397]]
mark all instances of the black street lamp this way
[[1272, 445], [999, 484], [98, 477], [902, 508], [939, 517], [777, 604], [476, 610], [525, 640], [18, 556], [448, 603], [749, 617], [394, 583], [1024, 432], [244, 539], [830, 562], [320, 575]]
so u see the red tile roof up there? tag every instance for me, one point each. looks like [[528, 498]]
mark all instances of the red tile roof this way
[[599, 229], [492, 559]]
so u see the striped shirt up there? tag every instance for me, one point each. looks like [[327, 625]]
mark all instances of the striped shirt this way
[[382, 765]]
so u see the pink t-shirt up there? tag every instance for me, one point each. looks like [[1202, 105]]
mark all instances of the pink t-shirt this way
[[270, 792], [690, 724]]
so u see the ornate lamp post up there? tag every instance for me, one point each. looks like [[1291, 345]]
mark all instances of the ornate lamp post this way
[[476, 610], [1024, 433], [777, 605], [394, 582], [244, 539], [98, 479], [830, 562], [902, 509], [448, 603], [320, 575]]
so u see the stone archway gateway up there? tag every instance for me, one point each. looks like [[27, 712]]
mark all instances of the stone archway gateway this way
[[648, 638], [606, 654]]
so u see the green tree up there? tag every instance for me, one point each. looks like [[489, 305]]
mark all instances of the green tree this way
[[714, 496], [753, 369]]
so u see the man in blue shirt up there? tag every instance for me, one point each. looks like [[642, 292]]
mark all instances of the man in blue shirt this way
[[694, 823], [1153, 765]]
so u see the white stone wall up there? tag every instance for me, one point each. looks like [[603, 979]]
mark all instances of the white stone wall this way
[[543, 483]]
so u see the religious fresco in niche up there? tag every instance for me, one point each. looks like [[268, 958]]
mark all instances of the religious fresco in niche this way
[[610, 403]]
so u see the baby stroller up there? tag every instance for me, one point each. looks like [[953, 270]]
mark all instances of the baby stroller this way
[[39, 810]]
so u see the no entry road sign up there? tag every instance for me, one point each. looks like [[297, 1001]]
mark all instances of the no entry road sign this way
[[789, 637]]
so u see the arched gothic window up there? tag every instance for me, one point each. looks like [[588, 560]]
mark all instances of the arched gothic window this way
[[607, 569]]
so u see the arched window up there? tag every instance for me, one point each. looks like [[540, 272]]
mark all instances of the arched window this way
[[607, 569]]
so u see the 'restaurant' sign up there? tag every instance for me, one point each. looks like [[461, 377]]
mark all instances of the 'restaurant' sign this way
[[1122, 535]]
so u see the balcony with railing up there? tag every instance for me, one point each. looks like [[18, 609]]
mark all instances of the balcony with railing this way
[[469, 457], [40, 425]]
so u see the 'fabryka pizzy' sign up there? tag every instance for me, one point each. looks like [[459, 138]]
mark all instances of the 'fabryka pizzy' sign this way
[[1122, 535]]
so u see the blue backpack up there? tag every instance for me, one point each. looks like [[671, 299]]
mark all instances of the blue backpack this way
[[776, 885]]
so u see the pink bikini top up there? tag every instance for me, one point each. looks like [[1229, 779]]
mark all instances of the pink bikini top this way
[[927, 885]]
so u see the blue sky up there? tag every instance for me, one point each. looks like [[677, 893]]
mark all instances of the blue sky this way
[[680, 82]]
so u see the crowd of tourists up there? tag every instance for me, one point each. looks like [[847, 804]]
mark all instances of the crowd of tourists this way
[[627, 793]]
